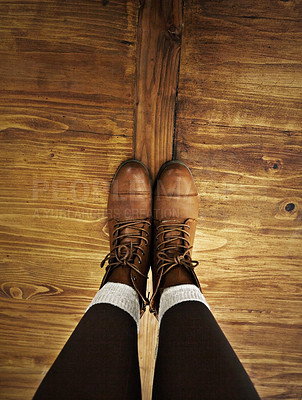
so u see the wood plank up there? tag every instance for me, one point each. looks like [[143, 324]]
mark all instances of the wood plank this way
[[53, 234], [66, 122], [159, 41], [147, 344], [74, 59], [239, 129]]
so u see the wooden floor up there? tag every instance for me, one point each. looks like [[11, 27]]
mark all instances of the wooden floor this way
[[84, 86]]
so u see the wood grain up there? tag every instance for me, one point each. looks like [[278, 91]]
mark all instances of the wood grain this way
[[147, 345], [239, 129], [66, 122], [159, 42], [158, 55], [85, 84]]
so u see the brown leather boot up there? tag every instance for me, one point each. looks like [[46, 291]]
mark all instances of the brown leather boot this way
[[129, 219], [175, 217]]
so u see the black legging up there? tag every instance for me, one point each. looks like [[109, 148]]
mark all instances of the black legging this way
[[100, 360]]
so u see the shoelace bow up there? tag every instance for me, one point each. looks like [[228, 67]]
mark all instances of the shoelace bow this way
[[170, 254], [125, 253]]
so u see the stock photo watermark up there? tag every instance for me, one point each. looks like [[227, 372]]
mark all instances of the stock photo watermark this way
[[87, 199]]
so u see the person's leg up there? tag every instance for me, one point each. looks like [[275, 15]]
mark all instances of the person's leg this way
[[100, 359], [195, 360]]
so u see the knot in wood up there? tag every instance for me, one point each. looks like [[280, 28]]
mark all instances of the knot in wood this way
[[174, 33]]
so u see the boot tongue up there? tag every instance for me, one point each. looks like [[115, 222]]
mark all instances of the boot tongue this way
[[129, 233], [177, 237], [129, 239]]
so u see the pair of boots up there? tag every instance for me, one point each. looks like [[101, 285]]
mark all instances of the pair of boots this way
[[156, 230]]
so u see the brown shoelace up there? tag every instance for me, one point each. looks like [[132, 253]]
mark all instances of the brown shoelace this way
[[171, 254], [123, 254]]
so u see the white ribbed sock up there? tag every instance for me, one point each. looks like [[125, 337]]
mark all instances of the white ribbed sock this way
[[119, 295], [178, 294]]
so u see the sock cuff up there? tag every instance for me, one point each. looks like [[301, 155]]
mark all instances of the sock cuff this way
[[178, 294], [119, 295]]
